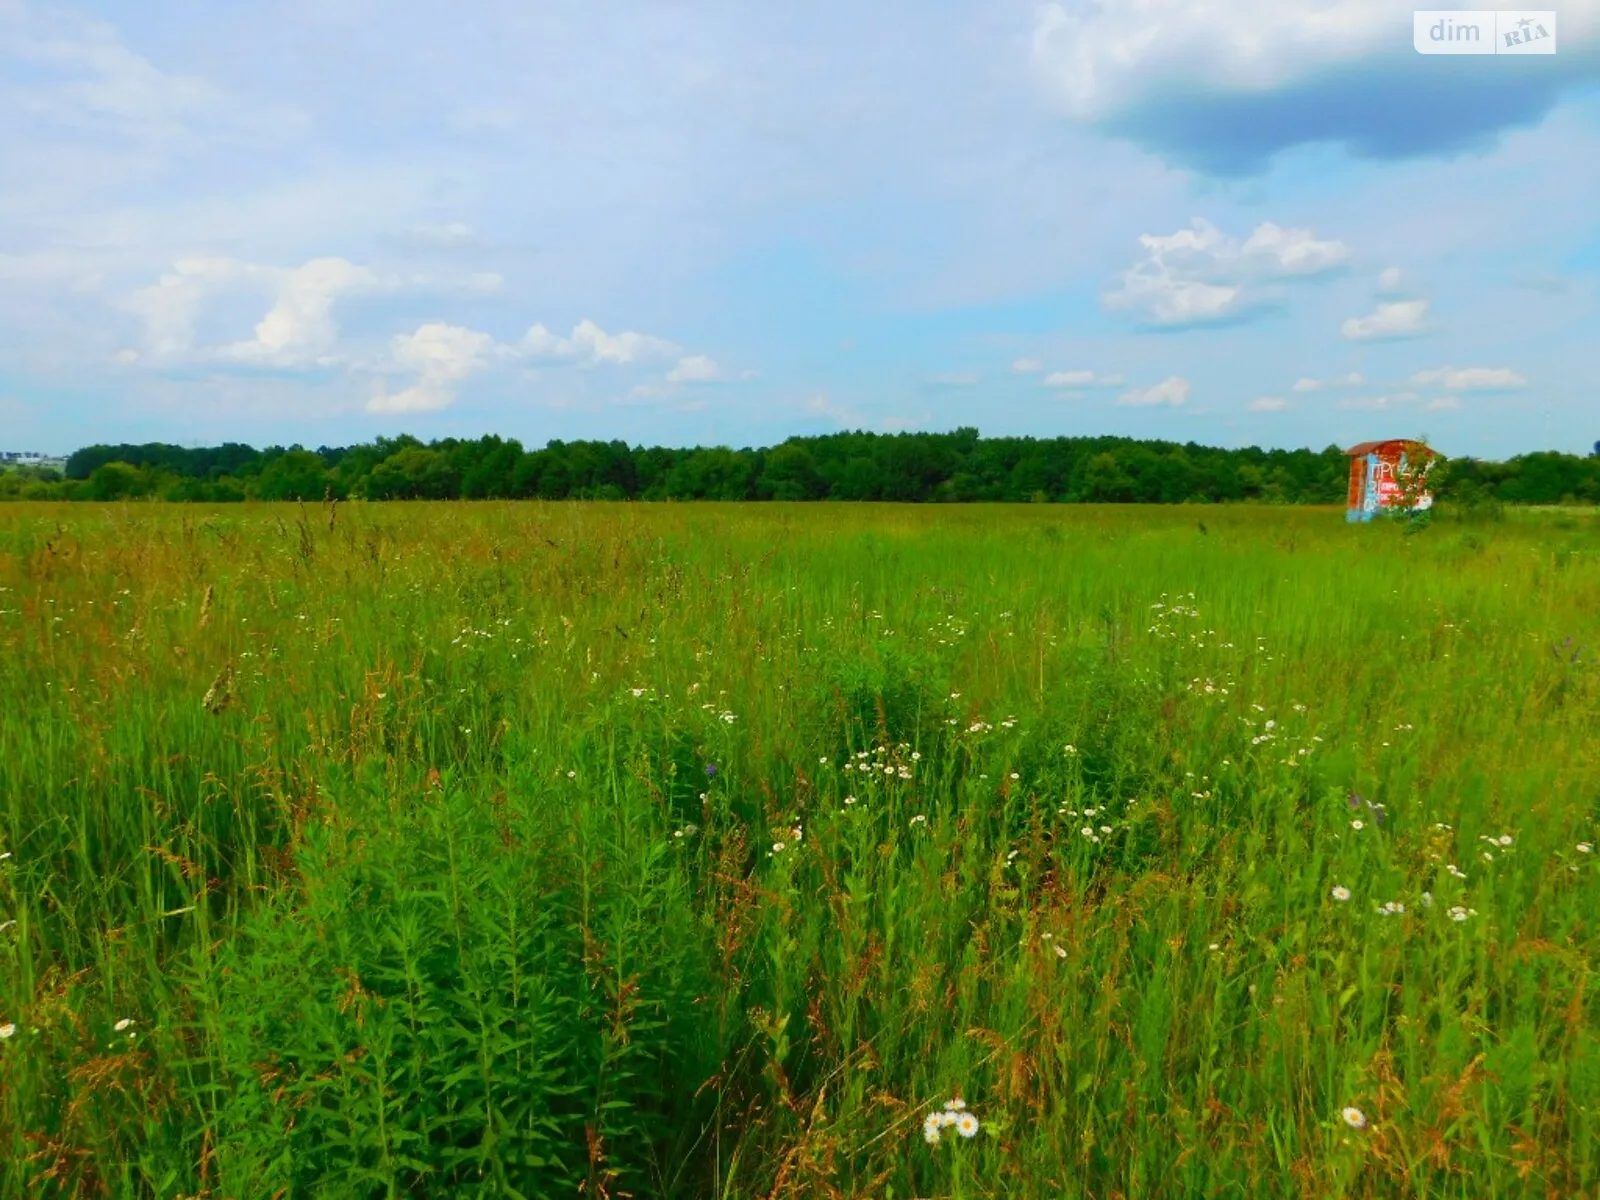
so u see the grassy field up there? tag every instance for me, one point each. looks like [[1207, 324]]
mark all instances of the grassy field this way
[[543, 850]]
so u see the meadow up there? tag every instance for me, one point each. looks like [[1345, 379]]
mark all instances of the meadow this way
[[700, 850]]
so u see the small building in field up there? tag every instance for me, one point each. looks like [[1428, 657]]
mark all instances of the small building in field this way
[[1388, 477]]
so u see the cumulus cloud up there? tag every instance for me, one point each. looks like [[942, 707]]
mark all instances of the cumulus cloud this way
[[1396, 319], [695, 368], [1225, 87], [1353, 379], [1269, 404], [1173, 391], [1080, 379], [1200, 275], [1467, 379], [1389, 279], [299, 327], [168, 307], [589, 344], [1027, 366], [442, 356]]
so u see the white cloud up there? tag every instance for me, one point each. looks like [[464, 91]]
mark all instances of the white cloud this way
[[299, 327], [1444, 404], [1269, 404], [1389, 279], [1173, 391], [955, 379], [442, 356], [83, 77], [1027, 366], [1101, 58], [1353, 379], [1469, 378], [590, 344], [1395, 319], [1200, 274], [695, 368], [1228, 85], [297, 330], [1081, 379], [168, 306], [1277, 253]]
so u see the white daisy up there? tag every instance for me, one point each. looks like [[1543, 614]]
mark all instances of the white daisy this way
[[1354, 1118]]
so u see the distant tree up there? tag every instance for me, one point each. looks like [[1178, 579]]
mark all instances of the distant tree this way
[[415, 473], [294, 475], [790, 473], [117, 481]]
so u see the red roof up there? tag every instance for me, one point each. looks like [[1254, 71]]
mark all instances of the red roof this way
[[1369, 447]]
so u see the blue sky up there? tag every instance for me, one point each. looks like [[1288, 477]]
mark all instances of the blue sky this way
[[1267, 222]]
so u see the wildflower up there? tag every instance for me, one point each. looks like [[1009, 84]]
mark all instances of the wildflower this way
[[123, 1024], [711, 770], [572, 774], [1216, 946], [1583, 848], [955, 1104], [7, 1030], [967, 1125], [930, 1129], [638, 691], [1061, 951], [1505, 839], [1354, 1118], [1427, 899], [777, 847], [1457, 913], [849, 799], [1358, 825], [1072, 749], [1341, 894]]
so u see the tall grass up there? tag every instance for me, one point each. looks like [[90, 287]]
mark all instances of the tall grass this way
[[533, 850]]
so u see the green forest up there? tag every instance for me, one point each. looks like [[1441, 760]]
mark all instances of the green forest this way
[[954, 467]]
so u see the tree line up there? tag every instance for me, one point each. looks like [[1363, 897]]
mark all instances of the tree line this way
[[952, 467]]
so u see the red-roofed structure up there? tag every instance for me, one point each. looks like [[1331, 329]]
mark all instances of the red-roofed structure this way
[[1388, 476]]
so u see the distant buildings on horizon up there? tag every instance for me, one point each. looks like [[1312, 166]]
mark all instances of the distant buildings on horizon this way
[[31, 458]]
